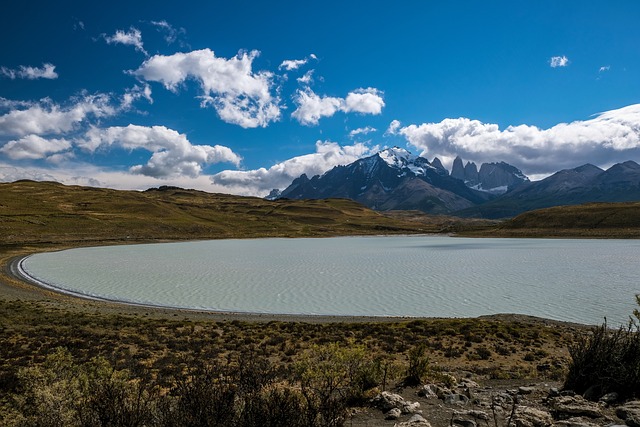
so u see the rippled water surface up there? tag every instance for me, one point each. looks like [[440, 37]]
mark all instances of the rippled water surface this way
[[573, 280]]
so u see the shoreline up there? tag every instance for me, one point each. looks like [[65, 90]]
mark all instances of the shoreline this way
[[18, 286]]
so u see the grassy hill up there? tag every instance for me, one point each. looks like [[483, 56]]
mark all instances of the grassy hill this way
[[599, 220], [51, 213]]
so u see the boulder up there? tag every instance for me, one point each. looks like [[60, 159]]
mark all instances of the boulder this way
[[430, 391], [526, 390], [574, 422], [415, 421], [464, 422], [574, 406], [387, 401], [393, 414], [630, 413], [456, 399], [526, 416]]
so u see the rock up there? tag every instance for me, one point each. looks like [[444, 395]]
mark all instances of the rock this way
[[574, 422], [630, 413], [526, 416], [474, 413], [610, 398], [456, 399], [430, 391], [393, 414], [526, 390], [388, 401], [415, 421], [574, 406], [467, 383], [464, 422]]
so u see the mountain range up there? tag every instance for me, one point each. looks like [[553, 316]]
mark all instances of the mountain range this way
[[395, 179]]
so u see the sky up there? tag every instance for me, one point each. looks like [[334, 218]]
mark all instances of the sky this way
[[243, 97]]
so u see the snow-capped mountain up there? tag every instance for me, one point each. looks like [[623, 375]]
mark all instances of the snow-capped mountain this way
[[584, 184], [391, 179], [396, 179]]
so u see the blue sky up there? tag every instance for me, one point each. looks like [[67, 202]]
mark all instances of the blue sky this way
[[244, 96]]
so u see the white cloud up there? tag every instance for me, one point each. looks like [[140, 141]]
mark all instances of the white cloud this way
[[292, 64], [172, 153], [312, 107], [362, 131], [34, 147], [239, 95], [365, 101], [133, 37], [393, 128], [48, 71], [307, 79], [558, 61], [610, 137], [260, 181], [604, 68], [46, 117], [170, 32]]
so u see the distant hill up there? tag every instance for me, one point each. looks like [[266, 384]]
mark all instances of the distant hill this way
[[47, 212], [598, 220], [584, 184]]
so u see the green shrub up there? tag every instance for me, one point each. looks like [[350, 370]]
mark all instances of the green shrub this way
[[607, 361]]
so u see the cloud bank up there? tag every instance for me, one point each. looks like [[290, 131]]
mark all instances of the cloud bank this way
[[260, 181], [610, 137], [173, 154]]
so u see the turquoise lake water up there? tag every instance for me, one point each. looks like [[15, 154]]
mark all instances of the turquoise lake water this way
[[426, 276]]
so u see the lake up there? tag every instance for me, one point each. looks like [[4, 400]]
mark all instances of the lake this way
[[424, 276]]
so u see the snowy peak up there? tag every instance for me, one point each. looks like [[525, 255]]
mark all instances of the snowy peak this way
[[397, 157], [405, 162]]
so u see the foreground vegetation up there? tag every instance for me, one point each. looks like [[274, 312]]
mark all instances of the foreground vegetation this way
[[83, 364]]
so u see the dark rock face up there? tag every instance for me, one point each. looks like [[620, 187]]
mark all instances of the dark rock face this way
[[500, 176], [471, 174], [457, 170], [584, 184]]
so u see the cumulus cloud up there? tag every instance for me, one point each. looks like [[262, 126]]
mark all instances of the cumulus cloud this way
[[34, 147], [133, 37], [260, 181], [609, 137], [47, 71], [362, 131], [312, 107], [172, 153], [365, 101], [558, 61], [238, 94]]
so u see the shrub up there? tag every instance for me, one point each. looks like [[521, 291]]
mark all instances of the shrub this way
[[418, 365], [606, 361]]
